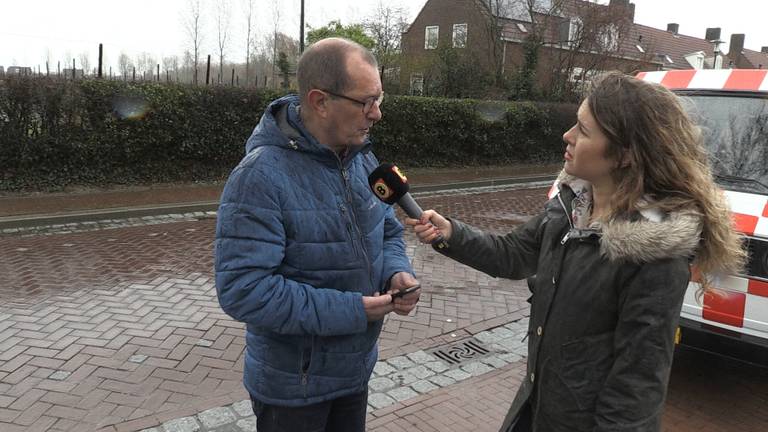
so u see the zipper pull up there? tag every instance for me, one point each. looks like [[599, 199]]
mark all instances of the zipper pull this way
[[565, 238]]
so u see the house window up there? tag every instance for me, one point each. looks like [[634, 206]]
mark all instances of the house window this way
[[609, 37], [574, 31], [430, 37], [459, 35], [417, 84]]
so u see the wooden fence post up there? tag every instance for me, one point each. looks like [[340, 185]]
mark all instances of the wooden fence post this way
[[208, 71]]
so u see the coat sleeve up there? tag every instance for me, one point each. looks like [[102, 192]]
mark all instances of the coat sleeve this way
[[395, 258], [632, 398], [513, 256], [250, 246]]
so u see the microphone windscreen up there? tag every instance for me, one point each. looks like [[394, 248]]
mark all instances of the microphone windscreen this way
[[388, 183]]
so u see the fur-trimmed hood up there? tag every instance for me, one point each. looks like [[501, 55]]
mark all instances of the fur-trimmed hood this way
[[653, 235]]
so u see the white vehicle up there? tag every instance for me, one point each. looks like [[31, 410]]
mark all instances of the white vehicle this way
[[731, 107]]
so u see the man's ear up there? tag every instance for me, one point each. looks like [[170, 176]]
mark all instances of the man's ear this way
[[318, 102]]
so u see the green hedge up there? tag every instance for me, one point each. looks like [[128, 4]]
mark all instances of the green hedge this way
[[417, 131], [55, 133]]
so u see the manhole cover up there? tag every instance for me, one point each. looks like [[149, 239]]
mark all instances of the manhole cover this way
[[461, 352]]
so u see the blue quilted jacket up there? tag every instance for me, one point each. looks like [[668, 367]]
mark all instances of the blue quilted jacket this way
[[299, 239]]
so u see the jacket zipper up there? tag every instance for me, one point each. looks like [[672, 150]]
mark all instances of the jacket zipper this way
[[350, 230], [306, 362], [348, 197], [567, 216]]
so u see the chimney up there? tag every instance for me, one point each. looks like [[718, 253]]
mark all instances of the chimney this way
[[737, 45], [764, 50], [629, 8], [673, 28], [713, 34]]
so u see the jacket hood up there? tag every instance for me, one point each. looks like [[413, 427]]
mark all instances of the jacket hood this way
[[281, 126], [653, 235]]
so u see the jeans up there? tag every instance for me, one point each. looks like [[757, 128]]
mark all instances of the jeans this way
[[344, 414]]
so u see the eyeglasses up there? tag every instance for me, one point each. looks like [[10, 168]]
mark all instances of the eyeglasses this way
[[367, 104]]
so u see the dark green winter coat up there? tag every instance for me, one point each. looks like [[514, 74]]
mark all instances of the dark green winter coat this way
[[605, 305]]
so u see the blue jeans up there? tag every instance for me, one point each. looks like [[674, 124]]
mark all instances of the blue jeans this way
[[344, 414]]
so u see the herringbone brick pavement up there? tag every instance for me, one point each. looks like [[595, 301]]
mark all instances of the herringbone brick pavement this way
[[120, 329]]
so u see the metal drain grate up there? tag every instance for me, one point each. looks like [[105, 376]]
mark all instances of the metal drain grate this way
[[461, 352]]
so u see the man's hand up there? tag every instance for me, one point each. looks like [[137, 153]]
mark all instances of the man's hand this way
[[405, 304], [377, 306]]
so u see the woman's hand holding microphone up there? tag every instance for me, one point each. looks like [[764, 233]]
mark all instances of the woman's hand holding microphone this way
[[430, 226]]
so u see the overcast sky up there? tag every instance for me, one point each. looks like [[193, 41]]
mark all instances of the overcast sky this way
[[31, 29]]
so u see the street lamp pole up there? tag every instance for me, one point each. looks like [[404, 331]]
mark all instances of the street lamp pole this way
[[301, 31], [716, 51]]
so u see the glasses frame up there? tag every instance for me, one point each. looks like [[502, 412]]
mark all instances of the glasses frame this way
[[366, 104]]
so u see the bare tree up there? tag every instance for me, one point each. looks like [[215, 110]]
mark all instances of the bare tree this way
[[223, 13], [386, 25], [67, 62], [588, 43], [261, 59], [189, 65], [495, 12], [175, 65], [169, 64], [145, 63], [125, 64], [85, 62], [193, 25], [276, 23], [248, 6], [737, 136], [48, 60]]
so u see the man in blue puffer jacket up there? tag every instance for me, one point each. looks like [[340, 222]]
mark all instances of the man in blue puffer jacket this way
[[306, 255]]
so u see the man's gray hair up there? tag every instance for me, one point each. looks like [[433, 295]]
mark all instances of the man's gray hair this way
[[324, 65]]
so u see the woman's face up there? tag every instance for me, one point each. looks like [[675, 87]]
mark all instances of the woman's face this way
[[585, 152]]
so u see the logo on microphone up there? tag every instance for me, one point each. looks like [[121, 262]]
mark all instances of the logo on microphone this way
[[400, 174], [381, 189]]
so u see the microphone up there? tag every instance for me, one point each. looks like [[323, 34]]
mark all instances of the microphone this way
[[390, 185]]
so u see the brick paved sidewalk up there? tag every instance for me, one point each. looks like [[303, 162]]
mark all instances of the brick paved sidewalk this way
[[119, 329]]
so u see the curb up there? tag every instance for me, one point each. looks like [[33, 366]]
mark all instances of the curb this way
[[26, 221]]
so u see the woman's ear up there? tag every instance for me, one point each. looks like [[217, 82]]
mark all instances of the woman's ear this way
[[624, 160]]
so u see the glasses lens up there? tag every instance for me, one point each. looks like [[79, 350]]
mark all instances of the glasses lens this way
[[373, 101]]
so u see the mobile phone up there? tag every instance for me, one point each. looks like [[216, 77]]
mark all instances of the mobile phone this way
[[406, 291]]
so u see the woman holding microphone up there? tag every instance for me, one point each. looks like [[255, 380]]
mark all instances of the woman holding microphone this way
[[635, 207]]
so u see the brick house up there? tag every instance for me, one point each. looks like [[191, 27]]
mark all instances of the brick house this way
[[579, 40], [19, 70], [742, 58]]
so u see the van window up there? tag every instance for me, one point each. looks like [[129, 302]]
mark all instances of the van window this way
[[735, 132]]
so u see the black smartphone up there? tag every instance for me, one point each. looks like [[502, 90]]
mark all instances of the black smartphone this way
[[406, 291]]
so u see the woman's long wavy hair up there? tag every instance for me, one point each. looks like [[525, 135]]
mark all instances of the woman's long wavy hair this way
[[647, 127]]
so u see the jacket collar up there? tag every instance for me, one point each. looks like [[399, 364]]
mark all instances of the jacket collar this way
[[650, 236], [282, 126]]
